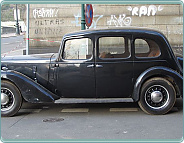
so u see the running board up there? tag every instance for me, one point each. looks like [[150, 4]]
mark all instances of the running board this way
[[93, 100]]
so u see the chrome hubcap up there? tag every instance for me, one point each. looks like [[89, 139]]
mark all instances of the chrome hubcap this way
[[156, 96], [7, 99], [4, 99]]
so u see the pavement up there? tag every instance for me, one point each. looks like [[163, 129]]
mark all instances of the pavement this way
[[13, 53], [103, 122], [16, 50], [11, 35]]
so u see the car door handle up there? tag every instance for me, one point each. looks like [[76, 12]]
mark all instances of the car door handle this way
[[56, 65], [90, 66], [99, 66]]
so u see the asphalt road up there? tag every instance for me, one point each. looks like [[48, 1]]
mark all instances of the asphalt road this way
[[92, 121], [12, 43]]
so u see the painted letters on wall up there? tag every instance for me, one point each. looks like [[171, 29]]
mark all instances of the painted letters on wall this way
[[144, 10]]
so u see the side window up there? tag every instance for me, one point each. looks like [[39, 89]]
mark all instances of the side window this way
[[114, 47], [146, 48], [78, 49]]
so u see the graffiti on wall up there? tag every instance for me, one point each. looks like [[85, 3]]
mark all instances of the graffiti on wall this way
[[43, 13], [48, 31], [120, 21], [42, 24], [96, 18], [144, 10], [114, 20], [50, 22], [47, 27]]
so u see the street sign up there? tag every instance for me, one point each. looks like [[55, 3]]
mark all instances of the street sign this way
[[89, 15]]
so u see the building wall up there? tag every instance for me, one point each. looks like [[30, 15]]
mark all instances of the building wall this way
[[49, 22]]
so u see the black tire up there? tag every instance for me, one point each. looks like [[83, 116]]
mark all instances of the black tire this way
[[157, 96], [11, 99]]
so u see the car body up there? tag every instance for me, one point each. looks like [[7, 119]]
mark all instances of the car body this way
[[105, 65]]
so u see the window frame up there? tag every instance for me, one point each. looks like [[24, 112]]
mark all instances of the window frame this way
[[147, 38], [112, 35], [77, 60]]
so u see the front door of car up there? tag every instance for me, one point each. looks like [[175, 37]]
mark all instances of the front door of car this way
[[114, 67], [76, 69]]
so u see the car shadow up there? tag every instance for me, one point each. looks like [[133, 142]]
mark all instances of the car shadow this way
[[29, 108]]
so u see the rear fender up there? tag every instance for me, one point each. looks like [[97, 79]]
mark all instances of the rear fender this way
[[157, 72], [30, 90]]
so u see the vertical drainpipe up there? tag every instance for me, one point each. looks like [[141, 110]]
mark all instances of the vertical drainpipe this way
[[82, 17], [27, 31]]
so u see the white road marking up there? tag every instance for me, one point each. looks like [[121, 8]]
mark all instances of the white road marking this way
[[45, 107], [123, 109], [37, 110], [75, 110], [6, 43], [30, 110]]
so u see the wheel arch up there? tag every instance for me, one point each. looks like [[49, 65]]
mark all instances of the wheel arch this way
[[30, 90], [163, 72]]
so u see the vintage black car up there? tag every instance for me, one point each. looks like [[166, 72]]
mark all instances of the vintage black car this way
[[109, 65]]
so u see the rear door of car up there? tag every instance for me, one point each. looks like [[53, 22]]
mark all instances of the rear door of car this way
[[113, 66], [148, 53]]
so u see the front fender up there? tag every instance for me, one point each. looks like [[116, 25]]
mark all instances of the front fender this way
[[31, 91], [157, 72]]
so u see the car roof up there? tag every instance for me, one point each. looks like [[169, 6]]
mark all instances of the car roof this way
[[114, 30]]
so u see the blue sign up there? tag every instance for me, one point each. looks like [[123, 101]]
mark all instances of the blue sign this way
[[89, 15]]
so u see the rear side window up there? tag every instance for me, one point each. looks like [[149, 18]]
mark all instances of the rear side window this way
[[146, 48], [114, 47]]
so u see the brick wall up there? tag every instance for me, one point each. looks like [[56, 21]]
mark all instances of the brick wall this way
[[52, 21]]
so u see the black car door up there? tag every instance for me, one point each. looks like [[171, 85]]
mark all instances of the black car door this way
[[76, 69], [114, 66]]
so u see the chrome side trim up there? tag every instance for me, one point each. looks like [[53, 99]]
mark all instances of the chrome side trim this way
[[26, 61], [92, 100]]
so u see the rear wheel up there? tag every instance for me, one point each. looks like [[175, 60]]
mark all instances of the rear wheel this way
[[157, 96], [11, 99]]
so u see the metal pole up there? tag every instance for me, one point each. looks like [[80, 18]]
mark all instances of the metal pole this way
[[27, 31], [83, 17], [17, 22]]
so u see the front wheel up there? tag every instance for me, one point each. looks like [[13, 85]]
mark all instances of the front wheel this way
[[11, 99], [157, 96]]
